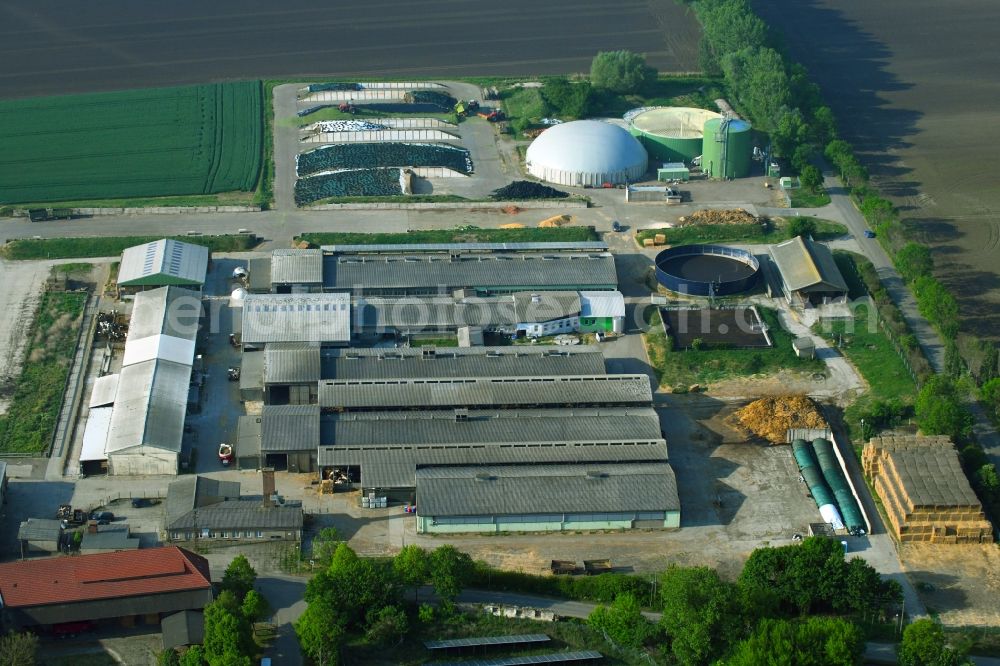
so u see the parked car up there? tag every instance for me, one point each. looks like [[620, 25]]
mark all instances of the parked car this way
[[869, 233], [616, 226], [102, 517]]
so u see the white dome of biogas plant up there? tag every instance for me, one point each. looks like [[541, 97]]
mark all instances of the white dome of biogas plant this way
[[586, 152]]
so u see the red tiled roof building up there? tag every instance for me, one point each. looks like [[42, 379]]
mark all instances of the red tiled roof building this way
[[121, 586]]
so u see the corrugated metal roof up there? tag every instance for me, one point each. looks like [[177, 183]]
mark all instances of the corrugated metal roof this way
[[522, 426], [805, 264], [164, 347], [172, 311], [39, 529], [289, 428], [527, 489], [397, 248], [240, 515], [395, 467], [150, 407], [104, 391], [297, 267], [602, 304], [517, 361], [296, 318], [191, 492], [291, 363], [416, 312], [427, 272], [166, 257], [95, 435], [537, 307], [486, 391]]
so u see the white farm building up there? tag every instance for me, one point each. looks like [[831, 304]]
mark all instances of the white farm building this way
[[587, 152]]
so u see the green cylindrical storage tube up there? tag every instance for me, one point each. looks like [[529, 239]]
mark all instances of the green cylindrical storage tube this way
[[726, 148]]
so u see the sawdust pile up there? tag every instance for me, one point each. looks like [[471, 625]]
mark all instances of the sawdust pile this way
[[555, 221], [735, 216], [773, 416]]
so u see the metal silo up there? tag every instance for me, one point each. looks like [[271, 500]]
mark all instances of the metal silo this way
[[726, 148]]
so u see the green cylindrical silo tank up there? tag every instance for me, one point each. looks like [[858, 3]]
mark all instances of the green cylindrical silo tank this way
[[726, 148]]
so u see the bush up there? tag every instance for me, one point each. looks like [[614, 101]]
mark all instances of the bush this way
[[801, 226], [940, 410], [567, 100], [621, 72]]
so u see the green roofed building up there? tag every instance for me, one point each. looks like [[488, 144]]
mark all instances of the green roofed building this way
[[163, 263]]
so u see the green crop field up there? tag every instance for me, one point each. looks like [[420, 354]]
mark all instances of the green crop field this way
[[139, 143]]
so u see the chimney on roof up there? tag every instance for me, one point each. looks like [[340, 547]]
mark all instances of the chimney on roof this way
[[267, 475]]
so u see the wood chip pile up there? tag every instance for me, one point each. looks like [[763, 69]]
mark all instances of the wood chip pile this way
[[773, 416], [735, 216]]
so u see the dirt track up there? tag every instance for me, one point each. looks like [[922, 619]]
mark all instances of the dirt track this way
[[50, 47], [914, 86]]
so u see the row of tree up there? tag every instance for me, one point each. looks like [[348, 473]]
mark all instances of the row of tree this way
[[793, 594], [357, 596]]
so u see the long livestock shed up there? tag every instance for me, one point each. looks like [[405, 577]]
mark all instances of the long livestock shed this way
[[150, 396], [420, 274], [485, 392], [531, 498], [381, 450], [517, 361]]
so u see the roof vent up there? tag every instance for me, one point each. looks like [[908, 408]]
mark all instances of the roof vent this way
[[462, 414], [483, 476], [536, 298], [596, 474], [428, 352]]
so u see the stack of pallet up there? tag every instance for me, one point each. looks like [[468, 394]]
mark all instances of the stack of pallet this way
[[924, 490]]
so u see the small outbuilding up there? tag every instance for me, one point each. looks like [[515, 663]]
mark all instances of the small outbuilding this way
[[804, 347], [162, 263], [183, 629], [587, 153], [40, 535]]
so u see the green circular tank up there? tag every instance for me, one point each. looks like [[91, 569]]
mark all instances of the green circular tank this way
[[671, 134], [726, 148]]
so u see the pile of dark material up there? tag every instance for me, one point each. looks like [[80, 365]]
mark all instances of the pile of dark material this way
[[319, 87], [398, 107], [389, 154], [353, 183], [440, 100], [523, 190]]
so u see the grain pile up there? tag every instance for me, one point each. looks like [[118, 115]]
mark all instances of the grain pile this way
[[773, 416], [735, 216]]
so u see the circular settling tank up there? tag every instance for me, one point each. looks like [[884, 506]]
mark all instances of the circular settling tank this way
[[703, 270], [671, 133]]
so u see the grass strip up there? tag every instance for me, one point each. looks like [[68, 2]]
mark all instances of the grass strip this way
[[30, 420]]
